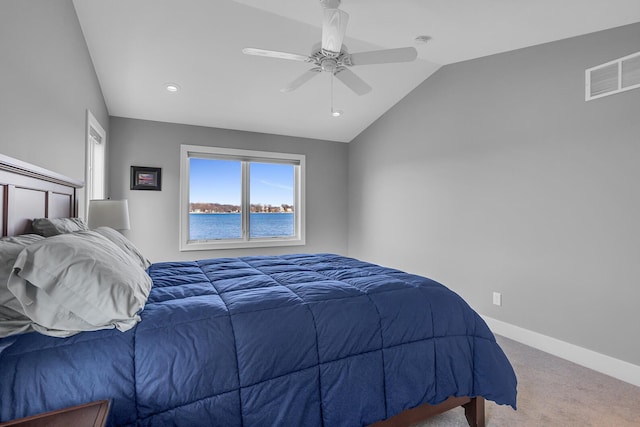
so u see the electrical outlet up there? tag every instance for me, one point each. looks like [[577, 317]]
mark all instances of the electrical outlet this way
[[497, 298]]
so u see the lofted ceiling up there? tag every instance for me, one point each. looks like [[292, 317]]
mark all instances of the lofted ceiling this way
[[138, 46]]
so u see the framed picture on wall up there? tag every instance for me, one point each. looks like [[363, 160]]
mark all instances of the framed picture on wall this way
[[146, 178]]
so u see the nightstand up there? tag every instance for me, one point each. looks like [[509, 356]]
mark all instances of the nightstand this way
[[92, 414]]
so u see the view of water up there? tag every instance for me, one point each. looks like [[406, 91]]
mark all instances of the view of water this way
[[229, 226]]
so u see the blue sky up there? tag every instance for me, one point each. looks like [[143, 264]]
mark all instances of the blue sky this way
[[219, 181]]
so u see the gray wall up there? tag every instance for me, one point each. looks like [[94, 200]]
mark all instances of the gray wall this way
[[496, 175], [48, 83], [154, 215]]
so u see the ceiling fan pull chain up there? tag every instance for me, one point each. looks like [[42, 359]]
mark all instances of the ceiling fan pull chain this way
[[332, 74], [334, 113]]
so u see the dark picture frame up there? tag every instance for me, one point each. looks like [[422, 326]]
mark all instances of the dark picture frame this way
[[146, 178]]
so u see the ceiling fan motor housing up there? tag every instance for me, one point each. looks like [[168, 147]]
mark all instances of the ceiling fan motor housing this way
[[330, 4], [330, 61]]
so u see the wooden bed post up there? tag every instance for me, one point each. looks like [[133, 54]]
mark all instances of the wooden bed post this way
[[474, 411]]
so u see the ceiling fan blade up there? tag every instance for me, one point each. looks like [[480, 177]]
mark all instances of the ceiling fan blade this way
[[308, 75], [353, 82], [334, 26], [276, 54], [401, 54]]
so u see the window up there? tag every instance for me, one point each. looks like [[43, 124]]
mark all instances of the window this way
[[240, 199], [96, 159]]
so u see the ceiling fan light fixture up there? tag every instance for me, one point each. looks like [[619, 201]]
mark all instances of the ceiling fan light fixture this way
[[171, 87], [330, 65]]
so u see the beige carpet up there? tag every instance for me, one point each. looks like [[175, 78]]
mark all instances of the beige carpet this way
[[553, 392]]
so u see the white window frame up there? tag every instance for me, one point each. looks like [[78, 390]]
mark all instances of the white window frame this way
[[298, 160], [96, 162]]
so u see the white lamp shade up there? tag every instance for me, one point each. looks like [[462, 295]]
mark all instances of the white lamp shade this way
[[109, 213]]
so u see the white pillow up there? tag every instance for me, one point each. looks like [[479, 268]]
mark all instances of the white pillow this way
[[78, 282], [10, 247], [125, 244]]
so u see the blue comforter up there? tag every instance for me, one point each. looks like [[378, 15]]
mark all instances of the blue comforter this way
[[292, 340]]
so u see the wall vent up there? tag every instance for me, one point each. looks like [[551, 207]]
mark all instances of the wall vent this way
[[613, 77]]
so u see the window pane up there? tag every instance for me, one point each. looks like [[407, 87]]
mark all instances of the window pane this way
[[97, 167], [215, 193], [272, 200]]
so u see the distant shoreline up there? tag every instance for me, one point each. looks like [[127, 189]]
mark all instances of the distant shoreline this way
[[235, 213]]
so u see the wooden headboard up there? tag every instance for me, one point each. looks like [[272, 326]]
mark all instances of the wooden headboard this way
[[28, 192]]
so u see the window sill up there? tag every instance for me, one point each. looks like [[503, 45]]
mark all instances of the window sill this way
[[207, 245]]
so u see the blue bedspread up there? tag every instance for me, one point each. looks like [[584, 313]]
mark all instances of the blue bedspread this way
[[292, 340]]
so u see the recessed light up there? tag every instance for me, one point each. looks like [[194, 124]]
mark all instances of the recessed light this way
[[171, 87], [422, 39]]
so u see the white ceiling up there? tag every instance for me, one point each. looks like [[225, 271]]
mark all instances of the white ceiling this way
[[139, 45]]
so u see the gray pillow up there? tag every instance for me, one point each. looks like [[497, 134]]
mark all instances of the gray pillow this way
[[78, 282], [48, 227], [12, 318], [125, 244]]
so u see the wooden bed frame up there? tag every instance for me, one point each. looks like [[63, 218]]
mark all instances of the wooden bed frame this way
[[473, 410], [28, 192]]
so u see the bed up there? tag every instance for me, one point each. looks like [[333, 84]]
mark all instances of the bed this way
[[298, 339]]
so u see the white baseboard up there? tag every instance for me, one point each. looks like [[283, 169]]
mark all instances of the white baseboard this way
[[608, 365]]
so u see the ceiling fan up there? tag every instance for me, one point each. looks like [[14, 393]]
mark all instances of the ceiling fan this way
[[332, 56]]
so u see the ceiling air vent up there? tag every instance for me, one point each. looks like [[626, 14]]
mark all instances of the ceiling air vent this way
[[613, 77]]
